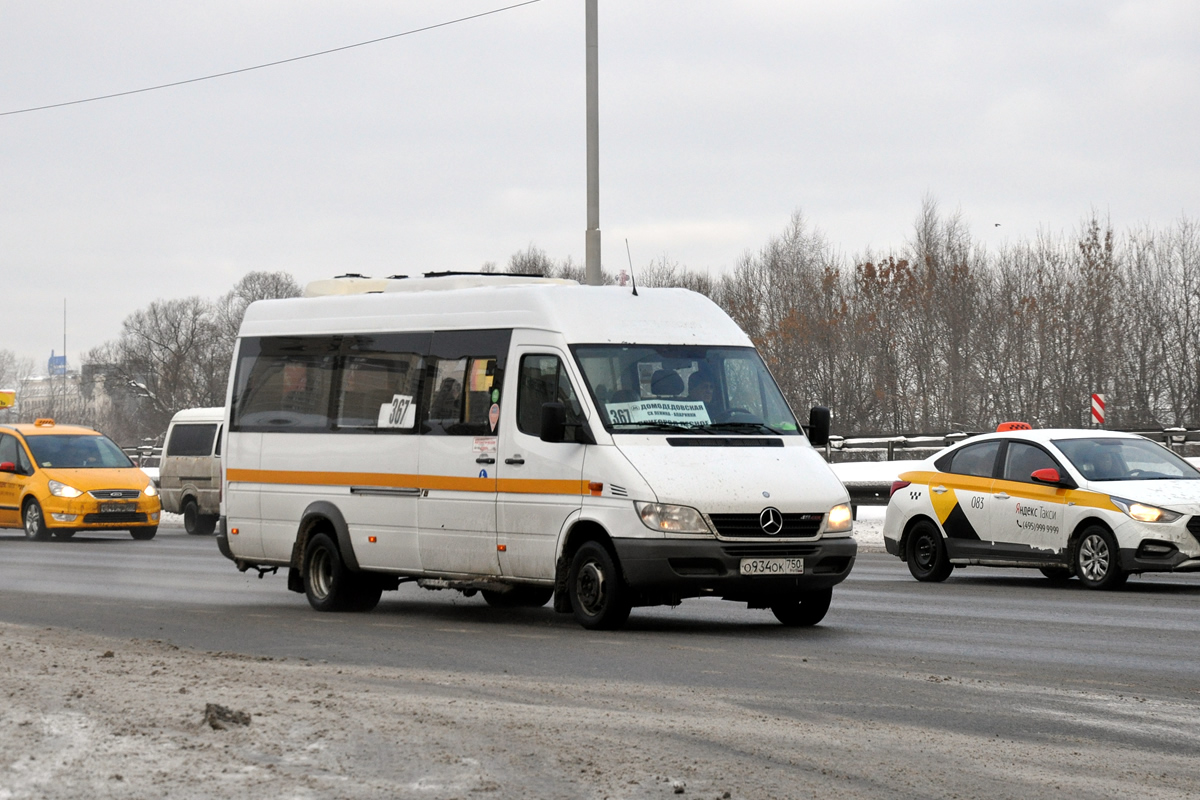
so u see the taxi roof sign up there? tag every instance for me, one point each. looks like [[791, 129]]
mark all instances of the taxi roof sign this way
[[43, 422], [1013, 426], [8, 398]]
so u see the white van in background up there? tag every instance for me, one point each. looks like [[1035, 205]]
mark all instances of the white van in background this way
[[524, 438], [190, 469]]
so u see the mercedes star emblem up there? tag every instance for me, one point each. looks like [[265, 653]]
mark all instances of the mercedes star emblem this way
[[771, 521]]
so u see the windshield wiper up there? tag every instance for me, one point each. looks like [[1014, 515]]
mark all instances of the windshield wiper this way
[[657, 426], [758, 426]]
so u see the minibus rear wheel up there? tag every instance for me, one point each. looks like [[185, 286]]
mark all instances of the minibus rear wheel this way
[[195, 523], [598, 595], [329, 586], [803, 609]]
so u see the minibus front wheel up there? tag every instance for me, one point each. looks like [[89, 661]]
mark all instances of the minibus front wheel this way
[[803, 609], [329, 585], [599, 597]]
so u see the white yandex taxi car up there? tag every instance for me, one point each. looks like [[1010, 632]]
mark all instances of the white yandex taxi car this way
[[1094, 504]]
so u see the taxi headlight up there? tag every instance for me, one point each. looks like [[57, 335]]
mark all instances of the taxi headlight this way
[[671, 519], [62, 490], [840, 519], [1144, 513], [150, 491]]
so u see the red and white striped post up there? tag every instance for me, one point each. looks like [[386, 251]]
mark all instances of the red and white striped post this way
[[1098, 409]]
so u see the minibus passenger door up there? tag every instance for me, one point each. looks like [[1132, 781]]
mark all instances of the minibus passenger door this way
[[456, 514], [540, 484]]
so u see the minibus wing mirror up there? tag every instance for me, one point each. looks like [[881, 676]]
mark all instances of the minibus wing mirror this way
[[554, 422], [818, 426], [554, 426]]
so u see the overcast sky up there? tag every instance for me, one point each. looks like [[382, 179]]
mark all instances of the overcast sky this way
[[447, 149]]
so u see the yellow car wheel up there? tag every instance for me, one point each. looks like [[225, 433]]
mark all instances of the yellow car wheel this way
[[35, 522]]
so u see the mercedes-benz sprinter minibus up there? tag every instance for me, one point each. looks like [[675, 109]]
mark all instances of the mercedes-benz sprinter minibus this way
[[527, 439]]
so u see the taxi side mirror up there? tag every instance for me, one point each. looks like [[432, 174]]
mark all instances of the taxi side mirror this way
[[1050, 477], [8, 466]]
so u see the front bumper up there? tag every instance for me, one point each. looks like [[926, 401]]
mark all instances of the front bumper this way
[[1136, 560], [83, 514], [667, 570]]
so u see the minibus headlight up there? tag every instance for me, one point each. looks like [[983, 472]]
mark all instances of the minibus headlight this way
[[671, 519], [151, 491], [1144, 513], [840, 519], [62, 490]]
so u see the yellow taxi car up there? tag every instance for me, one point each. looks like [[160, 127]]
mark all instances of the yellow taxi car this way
[[1095, 505], [60, 479]]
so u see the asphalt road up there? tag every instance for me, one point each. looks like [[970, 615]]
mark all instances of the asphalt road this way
[[987, 653]]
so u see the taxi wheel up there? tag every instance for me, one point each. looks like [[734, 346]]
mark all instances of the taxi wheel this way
[[518, 597], [804, 609], [598, 595], [144, 533], [35, 523], [927, 558], [1096, 560]]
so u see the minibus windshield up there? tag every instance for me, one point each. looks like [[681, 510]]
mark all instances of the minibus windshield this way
[[693, 389]]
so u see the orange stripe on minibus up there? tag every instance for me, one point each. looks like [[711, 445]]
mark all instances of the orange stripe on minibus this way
[[435, 482]]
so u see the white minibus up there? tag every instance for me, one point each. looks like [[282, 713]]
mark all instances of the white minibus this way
[[527, 439]]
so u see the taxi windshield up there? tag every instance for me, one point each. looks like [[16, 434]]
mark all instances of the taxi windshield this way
[[76, 451], [691, 389], [1125, 460]]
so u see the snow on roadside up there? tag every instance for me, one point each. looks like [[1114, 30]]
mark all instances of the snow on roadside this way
[[868, 527]]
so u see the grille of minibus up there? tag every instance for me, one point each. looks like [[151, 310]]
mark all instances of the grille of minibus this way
[[770, 550], [741, 526]]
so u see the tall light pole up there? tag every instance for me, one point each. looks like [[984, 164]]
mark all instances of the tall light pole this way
[[591, 264]]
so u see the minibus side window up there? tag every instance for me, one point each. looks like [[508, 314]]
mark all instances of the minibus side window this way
[[285, 384], [381, 383], [464, 374], [460, 397], [191, 440], [543, 380]]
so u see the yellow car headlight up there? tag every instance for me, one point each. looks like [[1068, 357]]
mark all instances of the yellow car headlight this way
[[62, 490]]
